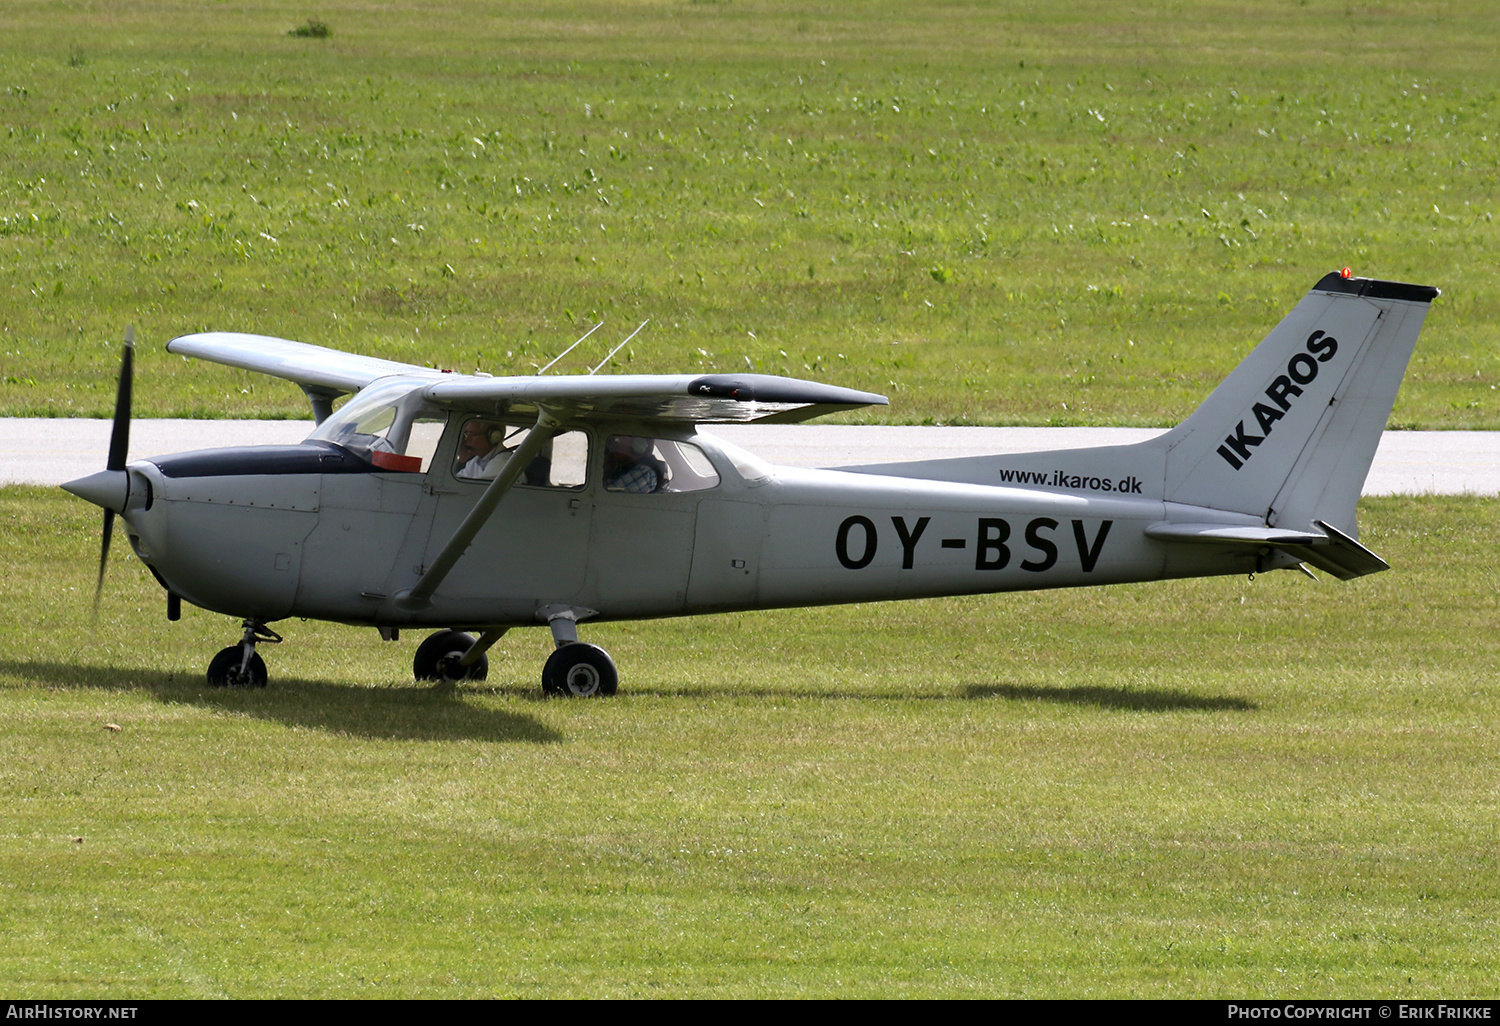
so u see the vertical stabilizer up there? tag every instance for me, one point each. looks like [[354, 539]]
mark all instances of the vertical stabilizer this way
[[1287, 438], [1290, 434]]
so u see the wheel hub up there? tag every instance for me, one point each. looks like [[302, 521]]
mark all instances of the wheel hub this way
[[583, 680]]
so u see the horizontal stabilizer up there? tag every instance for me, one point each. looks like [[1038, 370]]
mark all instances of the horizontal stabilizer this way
[[1332, 551], [1344, 557], [1226, 534]]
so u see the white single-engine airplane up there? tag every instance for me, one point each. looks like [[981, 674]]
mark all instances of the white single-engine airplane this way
[[474, 503]]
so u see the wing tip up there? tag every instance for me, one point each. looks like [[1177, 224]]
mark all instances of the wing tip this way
[[770, 388]]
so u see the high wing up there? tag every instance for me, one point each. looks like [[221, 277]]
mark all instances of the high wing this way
[[310, 366], [326, 374], [704, 399]]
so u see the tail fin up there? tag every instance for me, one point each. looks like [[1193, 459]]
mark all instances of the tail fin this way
[[1290, 434], [1287, 438]]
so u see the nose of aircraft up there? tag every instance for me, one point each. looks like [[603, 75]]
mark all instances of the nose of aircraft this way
[[107, 488]]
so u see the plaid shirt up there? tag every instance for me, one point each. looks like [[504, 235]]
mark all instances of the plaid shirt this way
[[639, 479]]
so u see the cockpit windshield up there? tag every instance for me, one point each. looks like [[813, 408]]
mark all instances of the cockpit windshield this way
[[388, 424]]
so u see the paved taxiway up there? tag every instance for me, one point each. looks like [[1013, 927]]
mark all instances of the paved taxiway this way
[[49, 452]]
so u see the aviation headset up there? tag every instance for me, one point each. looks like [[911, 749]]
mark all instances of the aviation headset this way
[[493, 433]]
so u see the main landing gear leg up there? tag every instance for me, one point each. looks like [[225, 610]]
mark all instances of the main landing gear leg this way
[[575, 668], [240, 666]]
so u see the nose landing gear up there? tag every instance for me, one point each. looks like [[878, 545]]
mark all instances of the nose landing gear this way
[[240, 666]]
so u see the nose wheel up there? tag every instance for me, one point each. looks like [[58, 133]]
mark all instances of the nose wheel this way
[[240, 666], [228, 669]]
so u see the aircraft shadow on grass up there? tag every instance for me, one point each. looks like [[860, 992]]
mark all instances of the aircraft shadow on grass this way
[[388, 714], [1139, 699], [440, 714]]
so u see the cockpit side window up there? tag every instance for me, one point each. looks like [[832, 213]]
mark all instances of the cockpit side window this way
[[485, 446]]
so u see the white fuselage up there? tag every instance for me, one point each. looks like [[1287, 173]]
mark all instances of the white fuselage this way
[[342, 545]]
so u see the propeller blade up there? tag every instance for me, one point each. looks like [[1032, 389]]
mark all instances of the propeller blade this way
[[119, 438], [119, 448], [109, 530]]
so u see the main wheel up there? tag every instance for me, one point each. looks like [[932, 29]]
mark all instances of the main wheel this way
[[580, 670], [224, 670], [437, 658]]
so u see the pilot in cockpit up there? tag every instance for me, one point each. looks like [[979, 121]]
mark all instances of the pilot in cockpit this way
[[481, 451]]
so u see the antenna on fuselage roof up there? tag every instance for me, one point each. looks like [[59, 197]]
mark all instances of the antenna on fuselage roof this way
[[572, 347], [617, 348]]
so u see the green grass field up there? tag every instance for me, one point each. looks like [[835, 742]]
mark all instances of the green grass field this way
[[1276, 788], [995, 213]]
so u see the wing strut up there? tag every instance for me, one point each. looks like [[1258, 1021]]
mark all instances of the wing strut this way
[[419, 596], [321, 400]]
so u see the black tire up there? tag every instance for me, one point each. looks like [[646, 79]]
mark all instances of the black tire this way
[[579, 670], [224, 670], [437, 658]]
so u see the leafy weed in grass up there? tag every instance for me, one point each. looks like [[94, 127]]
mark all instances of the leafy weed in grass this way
[[312, 30]]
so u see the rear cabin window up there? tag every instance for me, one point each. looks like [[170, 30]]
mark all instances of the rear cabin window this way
[[642, 465]]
